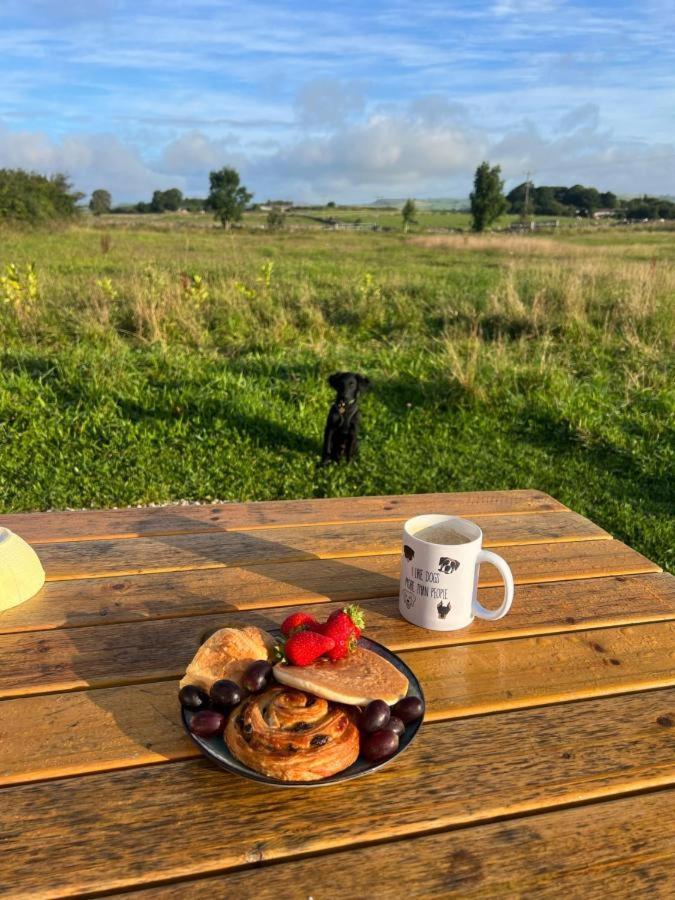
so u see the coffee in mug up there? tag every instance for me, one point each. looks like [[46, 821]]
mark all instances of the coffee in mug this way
[[441, 534], [439, 573]]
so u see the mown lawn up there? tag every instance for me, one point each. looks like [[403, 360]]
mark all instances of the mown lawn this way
[[506, 363]]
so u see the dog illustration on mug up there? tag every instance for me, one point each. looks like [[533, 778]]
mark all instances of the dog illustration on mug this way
[[447, 565], [409, 555], [442, 609]]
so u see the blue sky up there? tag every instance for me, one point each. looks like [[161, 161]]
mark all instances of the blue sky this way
[[346, 101]]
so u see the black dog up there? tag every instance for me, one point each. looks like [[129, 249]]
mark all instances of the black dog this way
[[447, 565], [342, 428], [408, 552]]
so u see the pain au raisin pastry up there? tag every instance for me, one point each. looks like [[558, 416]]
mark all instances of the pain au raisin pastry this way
[[292, 736]]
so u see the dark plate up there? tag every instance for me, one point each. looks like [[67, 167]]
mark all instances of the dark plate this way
[[216, 749]]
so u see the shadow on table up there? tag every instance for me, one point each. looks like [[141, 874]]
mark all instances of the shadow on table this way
[[144, 650]]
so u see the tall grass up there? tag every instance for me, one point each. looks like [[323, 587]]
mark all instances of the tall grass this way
[[254, 303]]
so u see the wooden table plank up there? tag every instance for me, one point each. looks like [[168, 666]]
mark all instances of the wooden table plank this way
[[146, 521], [174, 553], [59, 734], [101, 601], [126, 829], [74, 657], [616, 848]]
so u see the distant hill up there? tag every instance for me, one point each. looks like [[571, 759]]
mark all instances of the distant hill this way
[[431, 203]]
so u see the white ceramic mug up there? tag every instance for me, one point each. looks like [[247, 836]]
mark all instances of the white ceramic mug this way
[[439, 581]]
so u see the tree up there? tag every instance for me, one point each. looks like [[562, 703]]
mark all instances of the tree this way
[[548, 200], [584, 200], [650, 208], [408, 213], [547, 204], [276, 218], [228, 198], [35, 199], [487, 198], [166, 201], [100, 202], [193, 204]]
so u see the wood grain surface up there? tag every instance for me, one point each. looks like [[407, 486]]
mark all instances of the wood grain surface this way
[[569, 700], [174, 553], [616, 848], [145, 521], [122, 829], [69, 658], [103, 601], [90, 730]]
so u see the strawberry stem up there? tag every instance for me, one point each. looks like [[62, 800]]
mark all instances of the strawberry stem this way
[[355, 613]]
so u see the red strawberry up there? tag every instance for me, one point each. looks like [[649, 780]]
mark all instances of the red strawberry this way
[[298, 621], [304, 647], [341, 630], [355, 616]]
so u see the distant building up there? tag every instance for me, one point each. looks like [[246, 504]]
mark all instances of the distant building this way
[[282, 207]]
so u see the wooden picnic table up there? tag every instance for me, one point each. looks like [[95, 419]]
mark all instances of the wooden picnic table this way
[[542, 766]]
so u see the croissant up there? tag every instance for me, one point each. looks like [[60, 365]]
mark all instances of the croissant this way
[[292, 736], [228, 653]]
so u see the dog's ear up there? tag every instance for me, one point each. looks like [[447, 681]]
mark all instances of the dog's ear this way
[[334, 380], [364, 383]]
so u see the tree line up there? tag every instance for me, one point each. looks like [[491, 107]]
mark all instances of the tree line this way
[[36, 199], [526, 199], [559, 201], [227, 199], [488, 201]]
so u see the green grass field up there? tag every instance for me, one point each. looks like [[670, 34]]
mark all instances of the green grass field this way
[[388, 219], [185, 362]]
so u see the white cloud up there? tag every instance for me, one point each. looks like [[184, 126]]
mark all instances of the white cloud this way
[[586, 155], [523, 7], [384, 152], [91, 161], [429, 147], [193, 154]]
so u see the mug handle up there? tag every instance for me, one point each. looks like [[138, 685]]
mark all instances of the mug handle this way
[[504, 570]]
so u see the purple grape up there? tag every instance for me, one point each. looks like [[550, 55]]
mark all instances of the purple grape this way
[[396, 725], [409, 709], [257, 676], [379, 745], [226, 693], [192, 697], [374, 716], [207, 723]]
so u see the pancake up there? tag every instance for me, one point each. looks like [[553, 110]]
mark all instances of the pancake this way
[[228, 654], [356, 680]]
